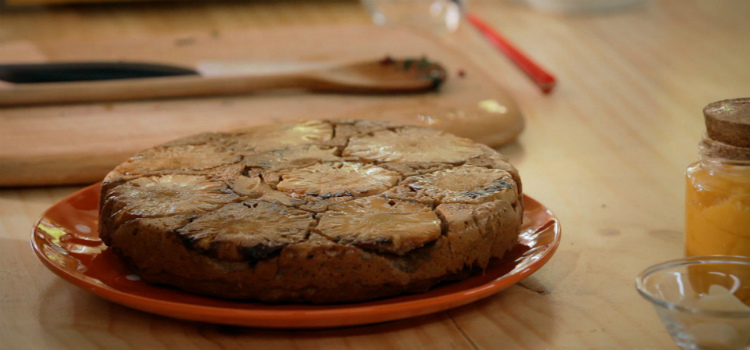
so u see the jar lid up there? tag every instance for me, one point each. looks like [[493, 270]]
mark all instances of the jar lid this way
[[728, 121], [727, 129]]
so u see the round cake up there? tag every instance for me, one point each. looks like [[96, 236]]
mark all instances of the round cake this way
[[312, 212]]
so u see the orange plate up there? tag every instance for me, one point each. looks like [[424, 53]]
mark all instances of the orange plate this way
[[65, 239]]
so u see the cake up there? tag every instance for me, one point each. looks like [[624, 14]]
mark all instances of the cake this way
[[312, 212]]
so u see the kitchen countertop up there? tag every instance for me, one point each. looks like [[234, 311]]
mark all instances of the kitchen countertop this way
[[606, 152]]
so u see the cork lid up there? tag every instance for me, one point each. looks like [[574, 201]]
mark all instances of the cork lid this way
[[728, 121], [728, 128]]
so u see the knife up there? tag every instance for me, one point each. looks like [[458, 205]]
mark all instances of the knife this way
[[34, 73], [65, 82]]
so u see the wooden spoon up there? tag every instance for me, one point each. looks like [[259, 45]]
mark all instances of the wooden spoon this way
[[382, 76]]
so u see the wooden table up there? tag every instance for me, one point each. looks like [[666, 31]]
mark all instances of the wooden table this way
[[606, 152]]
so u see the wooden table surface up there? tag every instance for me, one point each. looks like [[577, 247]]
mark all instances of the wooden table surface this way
[[606, 152]]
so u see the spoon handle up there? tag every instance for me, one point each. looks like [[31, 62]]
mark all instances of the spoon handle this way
[[147, 88]]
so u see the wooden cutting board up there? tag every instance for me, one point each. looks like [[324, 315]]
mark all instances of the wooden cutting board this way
[[73, 144]]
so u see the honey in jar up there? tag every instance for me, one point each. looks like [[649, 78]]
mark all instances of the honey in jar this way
[[717, 202]]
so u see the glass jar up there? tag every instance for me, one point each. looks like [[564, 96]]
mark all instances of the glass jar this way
[[717, 200]]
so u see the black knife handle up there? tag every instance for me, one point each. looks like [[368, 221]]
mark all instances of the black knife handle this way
[[86, 71]]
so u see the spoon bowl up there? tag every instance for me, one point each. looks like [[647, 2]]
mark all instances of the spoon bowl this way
[[384, 76]]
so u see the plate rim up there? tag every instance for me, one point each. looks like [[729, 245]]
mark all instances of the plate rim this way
[[305, 316]]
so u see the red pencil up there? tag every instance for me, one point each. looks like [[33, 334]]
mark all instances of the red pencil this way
[[541, 78]]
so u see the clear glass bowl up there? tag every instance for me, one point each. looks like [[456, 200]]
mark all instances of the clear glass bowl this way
[[437, 16], [702, 301]]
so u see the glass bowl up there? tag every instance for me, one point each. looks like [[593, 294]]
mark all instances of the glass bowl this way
[[436, 16], [702, 301]]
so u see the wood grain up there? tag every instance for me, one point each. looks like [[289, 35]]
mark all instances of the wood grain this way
[[80, 143], [606, 152]]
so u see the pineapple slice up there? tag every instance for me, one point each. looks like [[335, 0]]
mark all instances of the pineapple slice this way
[[464, 184], [345, 129], [412, 145], [169, 195], [249, 231], [245, 185], [177, 159], [275, 137], [327, 180], [380, 224], [198, 139], [273, 162], [292, 157]]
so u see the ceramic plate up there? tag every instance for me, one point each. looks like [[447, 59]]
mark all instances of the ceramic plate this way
[[66, 241]]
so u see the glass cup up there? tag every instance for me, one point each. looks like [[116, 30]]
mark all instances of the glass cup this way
[[702, 301], [436, 16]]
